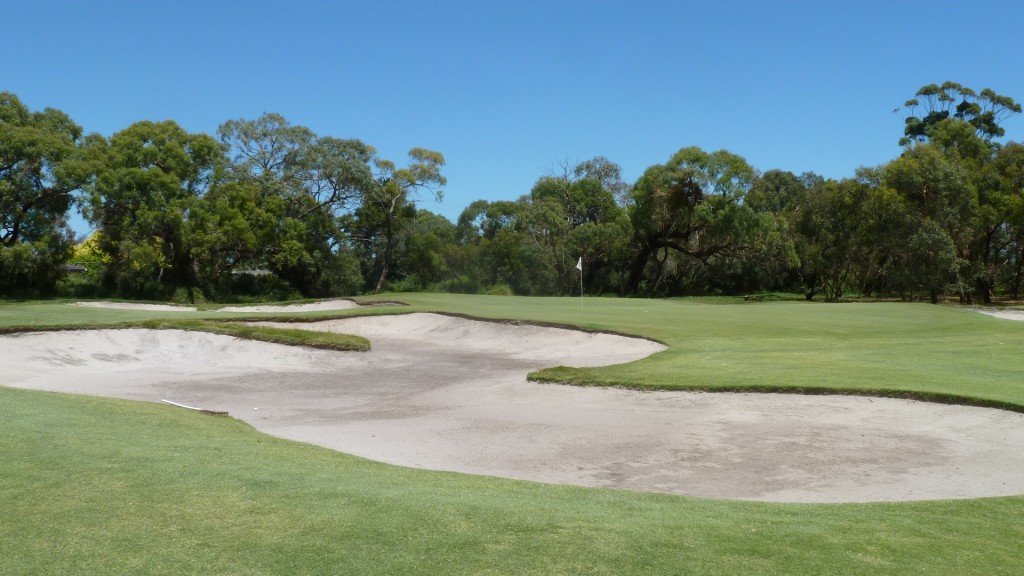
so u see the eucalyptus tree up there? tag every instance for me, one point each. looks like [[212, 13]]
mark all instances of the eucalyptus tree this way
[[388, 205], [150, 182], [1007, 239], [428, 255], [787, 259], [777, 192], [692, 207], [496, 250], [515, 246], [41, 167], [577, 216], [942, 201], [843, 232], [984, 111], [963, 126], [607, 173], [997, 221], [306, 187], [268, 148]]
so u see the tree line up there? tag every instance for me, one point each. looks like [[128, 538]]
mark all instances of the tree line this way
[[267, 209]]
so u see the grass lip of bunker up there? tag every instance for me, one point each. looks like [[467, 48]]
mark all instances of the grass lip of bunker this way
[[456, 399]]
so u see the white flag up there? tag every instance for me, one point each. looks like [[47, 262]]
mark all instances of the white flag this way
[[579, 264]]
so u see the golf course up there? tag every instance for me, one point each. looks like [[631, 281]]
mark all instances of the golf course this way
[[365, 476]]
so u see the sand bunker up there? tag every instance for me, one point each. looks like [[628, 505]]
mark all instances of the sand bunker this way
[[450, 394], [1004, 314], [334, 304]]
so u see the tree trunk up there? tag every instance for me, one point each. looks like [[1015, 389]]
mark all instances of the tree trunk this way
[[1017, 275], [383, 275], [985, 289], [389, 240], [636, 271]]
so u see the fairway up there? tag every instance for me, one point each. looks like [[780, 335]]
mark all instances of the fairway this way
[[448, 393]]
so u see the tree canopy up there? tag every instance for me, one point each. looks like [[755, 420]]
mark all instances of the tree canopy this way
[[41, 165], [269, 209]]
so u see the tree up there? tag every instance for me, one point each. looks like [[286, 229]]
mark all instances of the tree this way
[[778, 191], [786, 200], [607, 173], [943, 205], [41, 166], [387, 205], [577, 214], [693, 205], [960, 126], [1006, 236], [307, 187], [963, 125], [427, 259], [267, 149], [933, 104], [498, 249], [147, 189], [836, 240]]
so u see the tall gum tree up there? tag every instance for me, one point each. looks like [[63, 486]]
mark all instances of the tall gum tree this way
[[577, 216], [984, 111], [41, 167], [963, 125], [693, 205], [1008, 237], [389, 204], [151, 180], [943, 204], [307, 188]]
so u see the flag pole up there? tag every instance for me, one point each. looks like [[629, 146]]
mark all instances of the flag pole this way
[[579, 266]]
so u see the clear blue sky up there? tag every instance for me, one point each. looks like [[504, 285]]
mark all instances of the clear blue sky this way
[[509, 90]]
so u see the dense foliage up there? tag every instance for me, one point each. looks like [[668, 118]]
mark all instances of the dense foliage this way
[[271, 210]]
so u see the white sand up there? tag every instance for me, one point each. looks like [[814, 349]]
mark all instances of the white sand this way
[[450, 394], [334, 304], [1004, 314]]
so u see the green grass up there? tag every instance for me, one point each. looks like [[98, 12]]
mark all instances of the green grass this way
[[892, 349], [97, 486], [42, 313], [287, 336], [91, 321]]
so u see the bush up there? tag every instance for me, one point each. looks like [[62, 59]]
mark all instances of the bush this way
[[407, 284], [32, 269], [252, 288], [462, 284], [191, 296], [500, 290]]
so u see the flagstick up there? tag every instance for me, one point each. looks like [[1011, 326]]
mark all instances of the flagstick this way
[[581, 283], [581, 291]]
